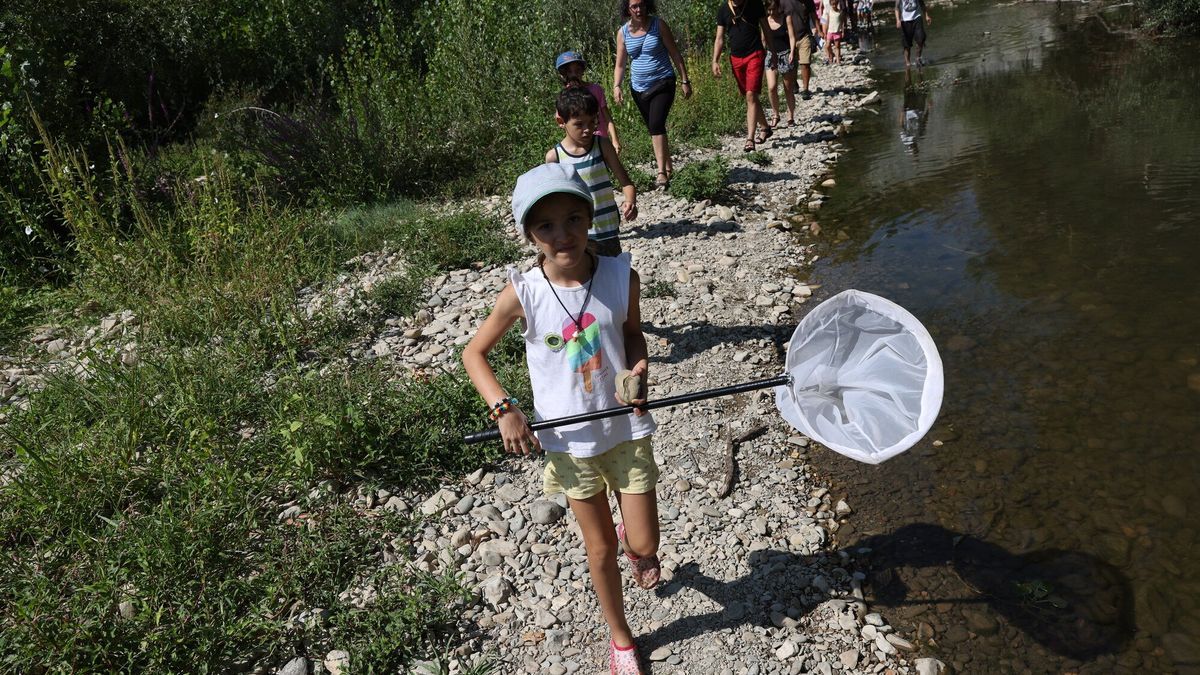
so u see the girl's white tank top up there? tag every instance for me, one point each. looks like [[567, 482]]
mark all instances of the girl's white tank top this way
[[573, 371]]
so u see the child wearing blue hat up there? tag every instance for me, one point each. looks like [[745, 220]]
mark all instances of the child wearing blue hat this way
[[581, 323], [571, 67]]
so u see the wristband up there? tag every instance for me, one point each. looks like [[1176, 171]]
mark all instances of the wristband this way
[[502, 406]]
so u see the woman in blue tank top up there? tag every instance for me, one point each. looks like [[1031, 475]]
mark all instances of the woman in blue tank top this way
[[646, 45]]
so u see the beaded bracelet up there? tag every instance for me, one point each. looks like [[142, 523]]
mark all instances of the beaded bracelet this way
[[502, 406]]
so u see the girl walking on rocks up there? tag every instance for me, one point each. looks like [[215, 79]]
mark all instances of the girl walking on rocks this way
[[581, 323]]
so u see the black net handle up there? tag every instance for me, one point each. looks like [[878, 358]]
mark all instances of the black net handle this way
[[494, 433]]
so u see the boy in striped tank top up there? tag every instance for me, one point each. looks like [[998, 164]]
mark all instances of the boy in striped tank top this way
[[596, 161]]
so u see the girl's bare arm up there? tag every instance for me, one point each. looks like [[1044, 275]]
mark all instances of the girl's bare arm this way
[[514, 428], [636, 354]]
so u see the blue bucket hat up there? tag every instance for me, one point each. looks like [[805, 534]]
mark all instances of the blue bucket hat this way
[[544, 180], [568, 57]]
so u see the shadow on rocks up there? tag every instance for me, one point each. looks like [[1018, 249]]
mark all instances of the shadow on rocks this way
[[758, 176], [1071, 603], [686, 340], [676, 228]]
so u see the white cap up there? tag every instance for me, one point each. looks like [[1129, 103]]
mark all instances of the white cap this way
[[546, 180]]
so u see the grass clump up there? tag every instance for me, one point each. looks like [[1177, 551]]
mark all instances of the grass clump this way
[[700, 180], [659, 289], [758, 157]]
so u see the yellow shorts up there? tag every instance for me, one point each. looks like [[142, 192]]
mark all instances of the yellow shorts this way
[[628, 468]]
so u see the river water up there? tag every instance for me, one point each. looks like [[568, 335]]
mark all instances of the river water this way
[[1032, 195]]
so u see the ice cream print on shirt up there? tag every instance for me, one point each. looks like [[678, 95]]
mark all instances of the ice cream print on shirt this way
[[583, 347]]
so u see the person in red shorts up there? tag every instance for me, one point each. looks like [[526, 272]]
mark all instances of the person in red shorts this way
[[746, 23]]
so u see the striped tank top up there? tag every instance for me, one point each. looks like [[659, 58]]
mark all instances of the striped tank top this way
[[594, 172], [649, 60]]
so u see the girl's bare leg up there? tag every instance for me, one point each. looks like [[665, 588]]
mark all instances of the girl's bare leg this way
[[772, 95], [600, 540], [639, 512], [789, 92]]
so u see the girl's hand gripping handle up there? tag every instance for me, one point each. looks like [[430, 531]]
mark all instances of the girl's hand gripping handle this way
[[519, 439]]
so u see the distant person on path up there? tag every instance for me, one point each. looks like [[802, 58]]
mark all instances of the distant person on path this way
[[645, 42], [745, 21], [804, 23], [581, 323], [781, 59], [571, 66], [597, 163], [911, 19], [835, 17]]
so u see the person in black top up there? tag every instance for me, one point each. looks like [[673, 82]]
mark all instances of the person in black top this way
[[745, 21], [804, 21]]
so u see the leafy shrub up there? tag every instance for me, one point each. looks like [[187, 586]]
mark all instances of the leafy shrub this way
[[1172, 16], [700, 180], [659, 289], [759, 157]]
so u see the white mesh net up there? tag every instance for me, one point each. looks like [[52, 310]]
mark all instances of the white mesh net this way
[[866, 377]]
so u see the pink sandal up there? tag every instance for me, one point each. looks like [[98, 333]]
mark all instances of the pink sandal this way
[[623, 661], [646, 571]]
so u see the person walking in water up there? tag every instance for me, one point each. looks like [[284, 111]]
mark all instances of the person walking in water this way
[[647, 45], [911, 19], [745, 21]]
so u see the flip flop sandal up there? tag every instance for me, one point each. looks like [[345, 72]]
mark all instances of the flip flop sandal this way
[[623, 661], [764, 135], [749, 146], [646, 571], [664, 181], [791, 123]]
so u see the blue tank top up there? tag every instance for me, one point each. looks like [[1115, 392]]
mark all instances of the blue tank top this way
[[649, 60]]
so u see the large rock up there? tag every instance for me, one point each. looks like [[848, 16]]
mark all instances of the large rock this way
[[546, 512], [438, 502], [297, 666]]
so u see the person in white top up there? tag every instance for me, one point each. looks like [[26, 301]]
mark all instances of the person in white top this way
[[581, 324]]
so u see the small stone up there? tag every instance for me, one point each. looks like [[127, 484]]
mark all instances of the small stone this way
[[381, 348], [495, 590], [126, 609], [787, 650], [464, 505], [849, 659], [682, 485], [882, 644], [842, 508], [337, 662], [56, 346], [929, 666], [828, 182], [660, 654], [899, 642], [725, 213]]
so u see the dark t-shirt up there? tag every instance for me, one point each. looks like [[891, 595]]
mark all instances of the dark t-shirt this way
[[801, 12], [742, 28]]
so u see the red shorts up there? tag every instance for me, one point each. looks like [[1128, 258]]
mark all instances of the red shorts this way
[[748, 71]]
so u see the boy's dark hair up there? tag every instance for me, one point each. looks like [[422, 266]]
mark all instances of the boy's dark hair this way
[[575, 101], [651, 10]]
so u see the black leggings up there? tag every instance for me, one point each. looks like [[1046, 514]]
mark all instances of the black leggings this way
[[655, 103]]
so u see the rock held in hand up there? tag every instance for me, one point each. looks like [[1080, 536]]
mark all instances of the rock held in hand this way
[[629, 386]]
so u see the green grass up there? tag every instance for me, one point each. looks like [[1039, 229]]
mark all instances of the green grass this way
[[700, 180], [659, 289], [758, 157]]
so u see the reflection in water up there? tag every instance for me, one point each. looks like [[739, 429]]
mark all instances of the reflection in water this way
[[1044, 225], [914, 114]]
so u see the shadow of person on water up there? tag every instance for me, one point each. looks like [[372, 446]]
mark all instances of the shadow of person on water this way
[[1072, 603]]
